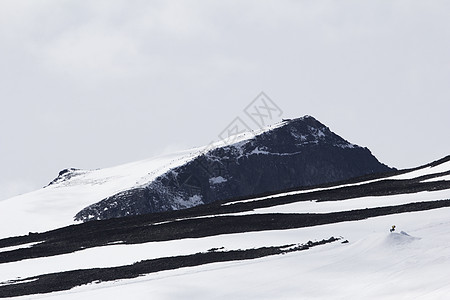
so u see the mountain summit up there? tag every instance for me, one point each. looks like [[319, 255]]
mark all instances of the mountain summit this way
[[291, 154]]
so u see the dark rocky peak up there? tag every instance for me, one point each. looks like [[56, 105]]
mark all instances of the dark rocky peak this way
[[307, 131], [292, 154], [286, 138]]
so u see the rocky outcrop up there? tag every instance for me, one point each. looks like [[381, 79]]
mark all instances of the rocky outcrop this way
[[298, 153]]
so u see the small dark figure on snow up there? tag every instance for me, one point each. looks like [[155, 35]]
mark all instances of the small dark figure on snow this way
[[392, 228]]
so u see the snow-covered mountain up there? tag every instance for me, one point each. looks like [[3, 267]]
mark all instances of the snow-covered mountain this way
[[294, 153], [326, 242], [291, 154], [56, 205]]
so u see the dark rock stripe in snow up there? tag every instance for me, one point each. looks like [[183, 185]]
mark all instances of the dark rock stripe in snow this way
[[66, 280], [134, 231]]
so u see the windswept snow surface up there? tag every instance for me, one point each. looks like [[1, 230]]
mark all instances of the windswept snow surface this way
[[55, 205], [375, 264]]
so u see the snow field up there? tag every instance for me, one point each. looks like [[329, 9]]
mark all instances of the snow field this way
[[117, 255], [375, 264]]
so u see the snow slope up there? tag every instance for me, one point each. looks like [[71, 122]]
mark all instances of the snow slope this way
[[55, 205], [375, 264], [443, 167], [349, 204], [122, 254], [413, 262]]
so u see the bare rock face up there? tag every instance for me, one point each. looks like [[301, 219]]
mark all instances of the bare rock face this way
[[302, 152]]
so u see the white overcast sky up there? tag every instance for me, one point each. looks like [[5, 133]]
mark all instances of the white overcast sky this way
[[92, 84]]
